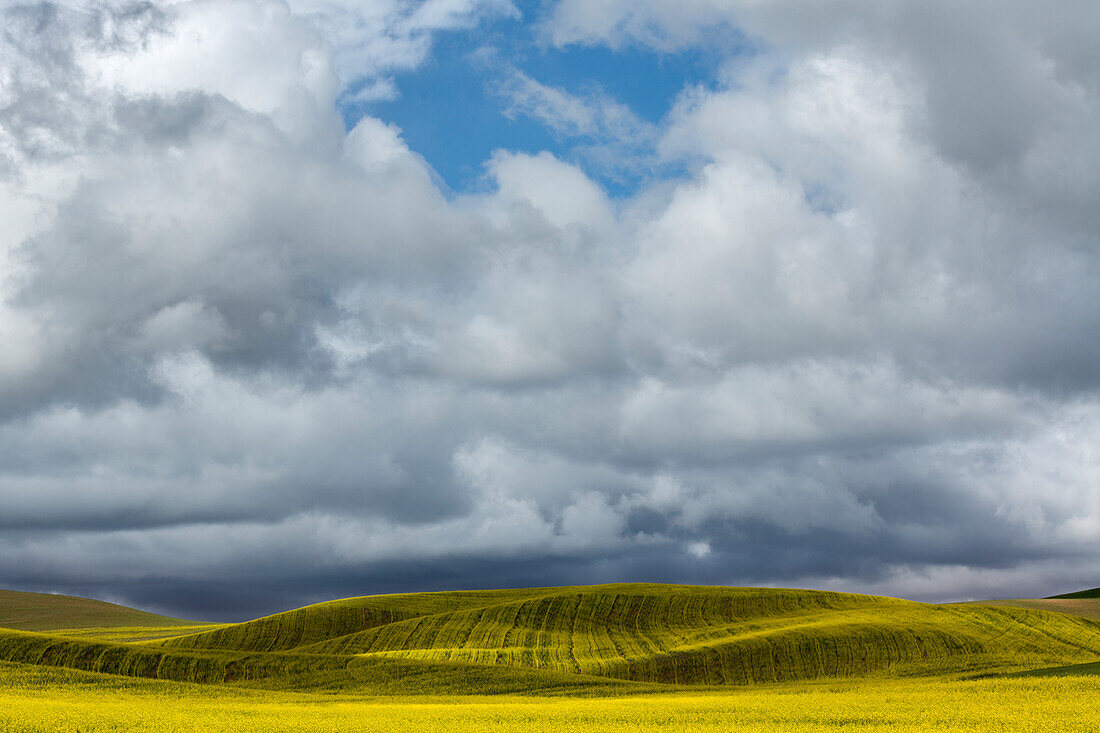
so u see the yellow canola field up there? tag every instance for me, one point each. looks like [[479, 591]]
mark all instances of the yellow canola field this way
[[36, 699]]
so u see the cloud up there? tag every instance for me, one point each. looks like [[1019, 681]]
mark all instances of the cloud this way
[[370, 42], [601, 131], [254, 359], [595, 116]]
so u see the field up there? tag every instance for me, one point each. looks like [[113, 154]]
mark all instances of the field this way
[[1084, 603], [1092, 593], [47, 612], [38, 699], [601, 658], [1084, 607]]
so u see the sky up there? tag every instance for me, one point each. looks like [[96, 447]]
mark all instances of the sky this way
[[309, 299]]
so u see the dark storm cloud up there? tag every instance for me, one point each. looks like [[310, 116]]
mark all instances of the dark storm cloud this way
[[252, 361]]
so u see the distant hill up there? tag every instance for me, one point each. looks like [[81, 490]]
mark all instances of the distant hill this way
[[1083, 607], [585, 637], [48, 612], [1094, 593]]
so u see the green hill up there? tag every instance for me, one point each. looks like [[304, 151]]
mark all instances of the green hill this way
[[136, 660], [48, 612], [587, 637], [1094, 593], [679, 634]]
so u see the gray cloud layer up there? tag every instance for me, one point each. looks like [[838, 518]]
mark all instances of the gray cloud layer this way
[[251, 361]]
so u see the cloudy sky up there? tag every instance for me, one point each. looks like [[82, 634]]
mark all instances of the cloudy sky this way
[[314, 298]]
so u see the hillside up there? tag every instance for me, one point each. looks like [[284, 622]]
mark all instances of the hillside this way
[[1083, 606], [588, 637], [1093, 593], [48, 612], [678, 634]]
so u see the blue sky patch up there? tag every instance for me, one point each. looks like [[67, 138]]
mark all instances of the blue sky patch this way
[[454, 112]]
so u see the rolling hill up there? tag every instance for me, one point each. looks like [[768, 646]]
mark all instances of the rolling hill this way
[[84, 618], [588, 636], [48, 612]]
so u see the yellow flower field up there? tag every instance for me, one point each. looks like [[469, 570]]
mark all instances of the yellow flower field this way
[[38, 699]]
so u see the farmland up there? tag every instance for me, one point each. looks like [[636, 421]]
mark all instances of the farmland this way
[[1084, 603], [48, 612], [604, 658], [38, 699], [1092, 593]]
